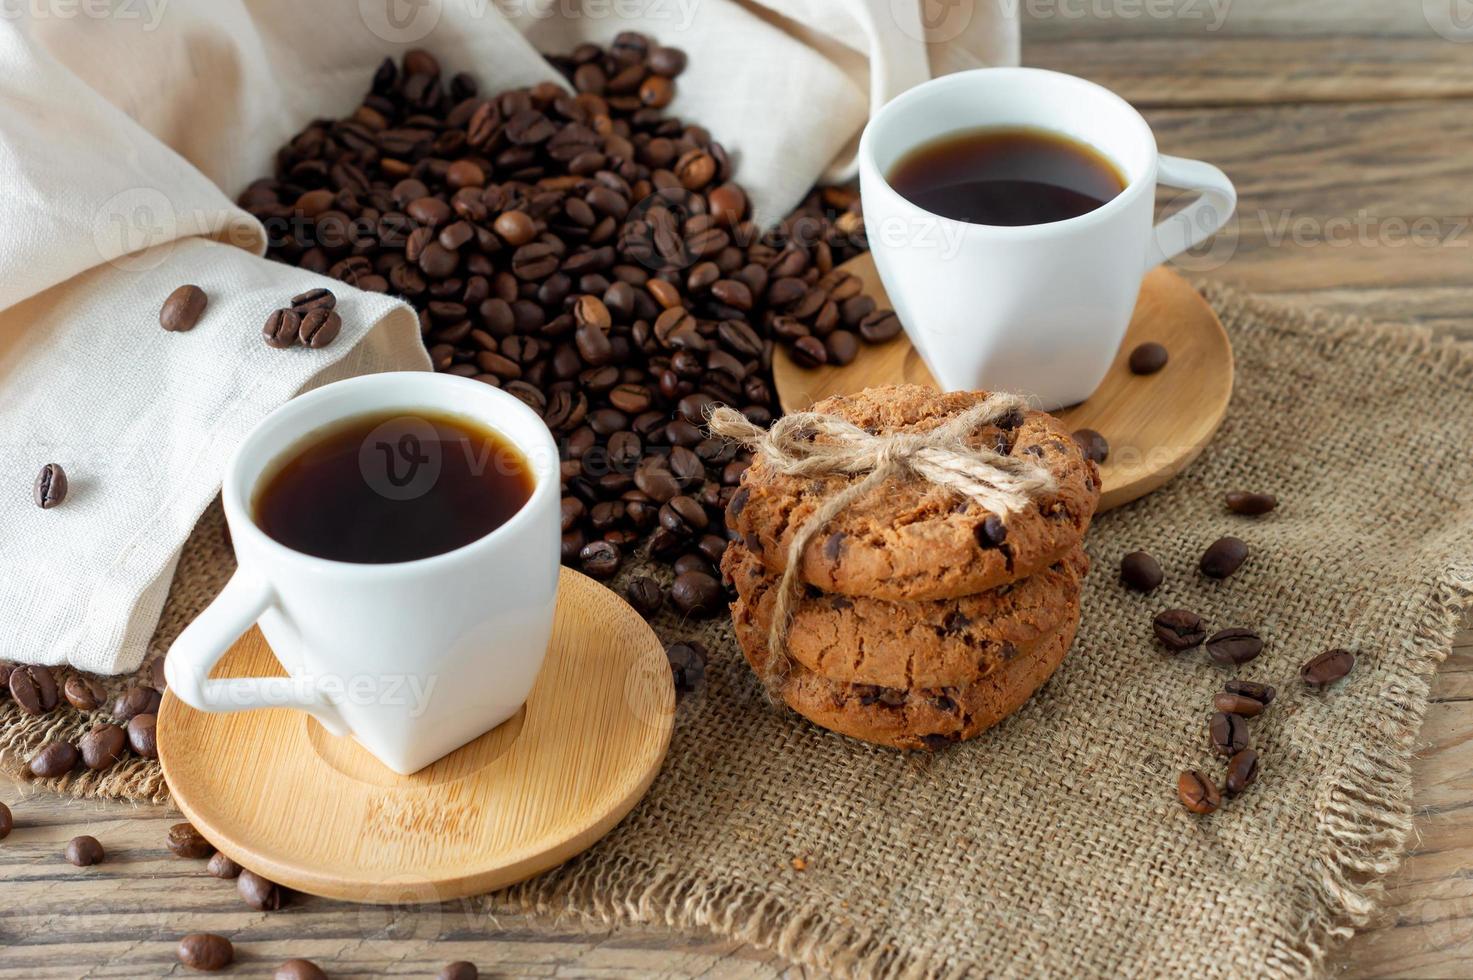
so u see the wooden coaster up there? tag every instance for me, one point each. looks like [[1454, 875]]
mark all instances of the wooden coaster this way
[[1155, 424], [279, 795]]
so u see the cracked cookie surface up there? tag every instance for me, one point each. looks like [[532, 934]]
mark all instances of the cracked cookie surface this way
[[918, 718], [910, 540], [929, 643]]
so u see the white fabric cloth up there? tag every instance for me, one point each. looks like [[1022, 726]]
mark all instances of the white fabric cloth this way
[[126, 130]]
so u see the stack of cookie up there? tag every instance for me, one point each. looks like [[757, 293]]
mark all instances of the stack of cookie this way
[[922, 618]]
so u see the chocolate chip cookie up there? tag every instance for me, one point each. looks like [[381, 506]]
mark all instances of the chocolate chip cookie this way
[[928, 644], [918, 718], [910, 540]]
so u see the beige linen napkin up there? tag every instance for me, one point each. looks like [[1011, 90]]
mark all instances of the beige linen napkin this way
[[125, 132]]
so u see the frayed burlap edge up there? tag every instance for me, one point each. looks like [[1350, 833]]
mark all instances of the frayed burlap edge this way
[[1364, 814]]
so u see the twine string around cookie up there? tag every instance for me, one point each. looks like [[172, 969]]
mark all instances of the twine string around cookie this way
[[812, 444]]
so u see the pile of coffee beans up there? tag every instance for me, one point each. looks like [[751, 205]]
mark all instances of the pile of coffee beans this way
[[593, 257]]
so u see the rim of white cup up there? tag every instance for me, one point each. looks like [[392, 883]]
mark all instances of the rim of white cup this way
[[928, 89], [244, 523]]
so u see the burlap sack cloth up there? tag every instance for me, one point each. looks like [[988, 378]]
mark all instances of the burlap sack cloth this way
[[1054, 845]]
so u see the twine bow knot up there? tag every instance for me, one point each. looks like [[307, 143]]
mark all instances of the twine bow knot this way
[[811, 445]]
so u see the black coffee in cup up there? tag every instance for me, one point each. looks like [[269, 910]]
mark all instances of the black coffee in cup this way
[[392, 486], [1006, 176]]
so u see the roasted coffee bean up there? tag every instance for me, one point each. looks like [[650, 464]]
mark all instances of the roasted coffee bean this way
[[83, 693], [257, 892], [1092, 444], [84, 851], [7, 821], [186, 842], [1327, 668], [102, 747], [1242, 771], [1234, 646], [299, 970], [205, 952], [1223, 557], [645, 595], [136, 700], [1179, 629], [1261, 693], [223, 867], [1237, 704], [1251, 504], [1140, 571], [1197, 792], [182, 310], [143, 737], [281, 329], [693, 563], [313, 299], [688, 665], [590, 256], [459, 970], [50, 486], [53, 759], [809, 352], [1228, 733], [33, 688], [600, 559], [696, 594], [1148, 358], [319, 328]]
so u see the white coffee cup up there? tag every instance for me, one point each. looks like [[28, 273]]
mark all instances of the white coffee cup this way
[[414, 658], [1036, 309]]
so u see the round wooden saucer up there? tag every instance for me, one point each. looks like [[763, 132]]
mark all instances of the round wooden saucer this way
[[1155, 424], [318, 814]]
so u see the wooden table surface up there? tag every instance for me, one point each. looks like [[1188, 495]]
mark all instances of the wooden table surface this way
[[1348, 128]]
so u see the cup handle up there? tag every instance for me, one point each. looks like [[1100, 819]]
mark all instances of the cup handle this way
[[203, 642], [1198, 221]]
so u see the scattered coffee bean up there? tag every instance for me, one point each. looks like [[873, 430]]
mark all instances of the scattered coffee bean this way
[[1228, 733], [1234, 646], [84, 851], [1237, 704], [1223, 557], [1179, 629], [1092, 444], [83, 693], [33, 687], [299, 970], [1262, 693], [696, 594], [136, 700], [645, 595], [51, 486], [257, 892], [53, 759], [459, 970], [688, 664], [205, 951], [1327, 668], [281, 329], [1251, 504], [223, 867], [313, 299], [1197, 793], [186, 842], [7, 821], [599, 559], [1242, 771], [1148, 358], [143, 735], [103, 747], [319, 328], [1140, 571], [183, 308]]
